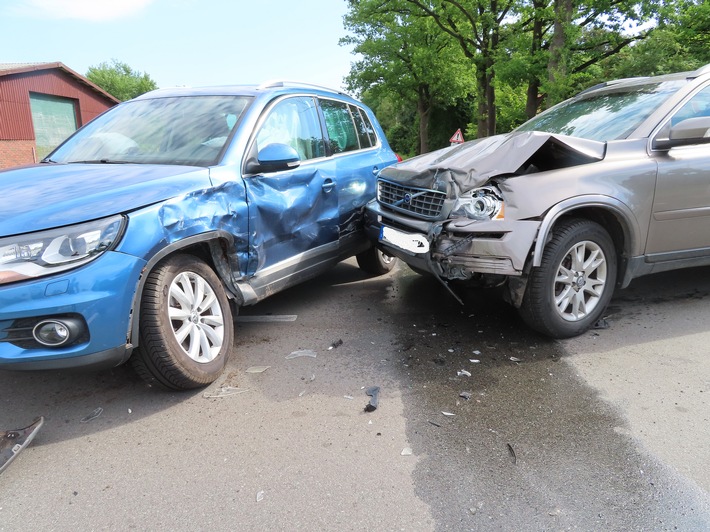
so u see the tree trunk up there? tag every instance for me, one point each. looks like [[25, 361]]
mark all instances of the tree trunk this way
[[424, 112], [557, 66], [533, 93]]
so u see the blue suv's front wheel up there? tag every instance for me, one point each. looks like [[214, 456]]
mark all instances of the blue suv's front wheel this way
[[186, 327]]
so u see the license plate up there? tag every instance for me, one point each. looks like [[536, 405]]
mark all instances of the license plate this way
[[412, 242]]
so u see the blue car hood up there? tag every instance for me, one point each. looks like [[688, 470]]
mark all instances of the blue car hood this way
[[46, 196]]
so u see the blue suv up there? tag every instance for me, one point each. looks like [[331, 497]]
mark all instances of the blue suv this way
[[143, 233]]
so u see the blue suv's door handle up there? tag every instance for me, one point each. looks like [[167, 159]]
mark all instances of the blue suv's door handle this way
[[328, 185]]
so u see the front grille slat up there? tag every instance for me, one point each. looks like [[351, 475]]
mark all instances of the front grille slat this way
[[419, 202]]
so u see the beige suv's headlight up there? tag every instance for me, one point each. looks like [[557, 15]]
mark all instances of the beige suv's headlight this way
[[485, 203], [56, 250]]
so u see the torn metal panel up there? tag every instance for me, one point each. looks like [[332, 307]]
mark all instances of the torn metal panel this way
[[202, 211], [467, 166]]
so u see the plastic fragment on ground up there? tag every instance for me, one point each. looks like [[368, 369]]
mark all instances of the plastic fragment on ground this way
[[463, 372], [407, 451], [465, 395], [224, 391], [476, 352], [601, 324], [260, 496], [374, 393], [257, 369], [301, 353], [348, 397], [96, 413], [335, 344], [474, 361], [267, 319], [302, 393], [514, 359], [13, 441], [511, 451], [448, 413]]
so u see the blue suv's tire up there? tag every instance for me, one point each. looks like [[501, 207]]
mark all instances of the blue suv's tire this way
[[375, 261], [186, 327]]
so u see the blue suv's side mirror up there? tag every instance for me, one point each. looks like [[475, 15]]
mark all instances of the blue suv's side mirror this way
[[274, 157]]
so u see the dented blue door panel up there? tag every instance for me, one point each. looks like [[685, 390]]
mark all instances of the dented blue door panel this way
[[357, 173], [292, 212]]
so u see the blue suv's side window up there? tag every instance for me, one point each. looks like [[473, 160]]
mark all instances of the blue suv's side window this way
[[340, 126], [294, 121]]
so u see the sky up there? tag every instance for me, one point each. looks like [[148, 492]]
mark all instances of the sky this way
[[184, 42]]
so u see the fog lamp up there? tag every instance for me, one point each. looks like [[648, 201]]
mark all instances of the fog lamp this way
[[55, 333]]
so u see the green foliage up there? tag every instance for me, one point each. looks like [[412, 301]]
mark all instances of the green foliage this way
[[432, 66], [120, 80]]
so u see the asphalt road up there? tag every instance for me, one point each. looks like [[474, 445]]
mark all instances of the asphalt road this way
[[605, 432]]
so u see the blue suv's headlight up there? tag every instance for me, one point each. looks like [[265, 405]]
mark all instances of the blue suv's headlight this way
[[56, 250]]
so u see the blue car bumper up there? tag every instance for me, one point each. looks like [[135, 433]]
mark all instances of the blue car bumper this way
[[98, 297]]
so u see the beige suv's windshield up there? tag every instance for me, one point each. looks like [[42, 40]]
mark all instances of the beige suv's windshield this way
[[609, 115]]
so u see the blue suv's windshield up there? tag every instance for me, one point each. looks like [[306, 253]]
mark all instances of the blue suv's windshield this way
[[609, 115], [189, 130]]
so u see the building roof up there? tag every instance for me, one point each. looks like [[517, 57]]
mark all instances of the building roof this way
[[7, 69]]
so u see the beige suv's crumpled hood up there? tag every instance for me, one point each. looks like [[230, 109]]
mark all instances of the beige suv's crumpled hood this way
[[472, 164]]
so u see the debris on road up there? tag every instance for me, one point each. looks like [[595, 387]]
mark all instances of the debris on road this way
[[511, 451], [374, 393], [465, 395], [301, 353], [407, 451], [13, 441], [448, 413], [335, 344], [96, 413], [515, 359], [270, 318], [601, 324], [257, 369], [434, 423], [463, 372], [260, 496], [224, 391]]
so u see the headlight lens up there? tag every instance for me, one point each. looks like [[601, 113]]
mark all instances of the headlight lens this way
[[56, 250], [485, 203]]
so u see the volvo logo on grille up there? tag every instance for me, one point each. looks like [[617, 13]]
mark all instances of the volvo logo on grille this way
[[407, 199]]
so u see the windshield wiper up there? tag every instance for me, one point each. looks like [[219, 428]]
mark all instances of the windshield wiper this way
[[98, 161]]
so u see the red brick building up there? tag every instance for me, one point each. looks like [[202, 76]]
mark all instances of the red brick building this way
[[40, 105]]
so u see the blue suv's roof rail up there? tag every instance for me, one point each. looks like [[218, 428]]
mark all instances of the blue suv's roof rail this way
[[284, 83]]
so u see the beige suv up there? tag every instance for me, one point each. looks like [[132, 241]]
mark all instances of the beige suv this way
[[605, 187]]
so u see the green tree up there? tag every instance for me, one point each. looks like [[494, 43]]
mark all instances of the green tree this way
[[120, 80], [404, 56]]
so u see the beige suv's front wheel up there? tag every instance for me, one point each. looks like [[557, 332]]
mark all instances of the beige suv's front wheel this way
[[568, 293]]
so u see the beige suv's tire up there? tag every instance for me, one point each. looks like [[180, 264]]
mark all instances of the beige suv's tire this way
[[570, 290]]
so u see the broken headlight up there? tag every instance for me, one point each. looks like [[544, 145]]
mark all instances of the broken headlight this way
[[56, 250], [485, 203]]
